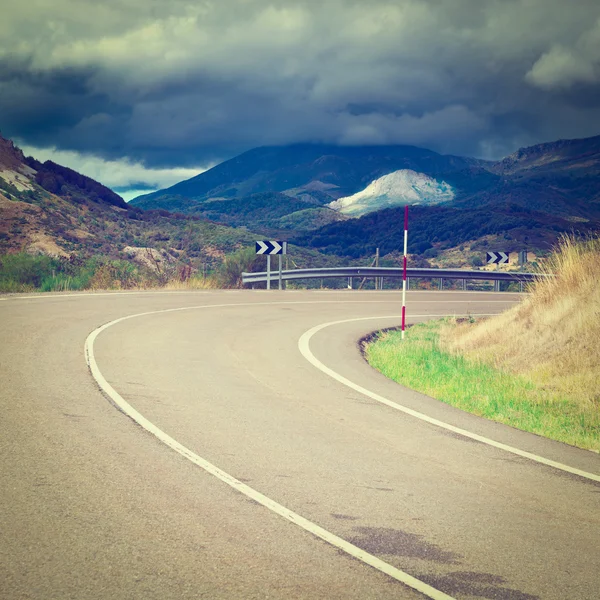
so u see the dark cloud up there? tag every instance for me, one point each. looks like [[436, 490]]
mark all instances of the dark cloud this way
[[186, 84], [44, 106]]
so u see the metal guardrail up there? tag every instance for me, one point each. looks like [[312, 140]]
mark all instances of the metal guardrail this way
[[385, 272]]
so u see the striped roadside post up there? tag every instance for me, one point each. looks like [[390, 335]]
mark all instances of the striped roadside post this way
[[404, 270]]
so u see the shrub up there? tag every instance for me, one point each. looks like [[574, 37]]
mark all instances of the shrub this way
[[476, 261], [22, 271], [229, 274]]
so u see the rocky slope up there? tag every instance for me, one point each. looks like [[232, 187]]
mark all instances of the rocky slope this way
[[581, 156], [398, 188], [53, 210]]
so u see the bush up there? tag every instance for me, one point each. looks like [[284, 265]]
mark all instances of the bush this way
[[431, 253], [113, 274], [229, 274], [22, 271]]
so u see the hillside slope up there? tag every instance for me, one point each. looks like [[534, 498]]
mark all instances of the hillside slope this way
[[267, 212], [53, 210], [434, 229], [553, 336], [61, 230], [560, 178], [322, 173], [534, 367]]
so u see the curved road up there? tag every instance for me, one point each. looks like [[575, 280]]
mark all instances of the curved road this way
[[298, 471]]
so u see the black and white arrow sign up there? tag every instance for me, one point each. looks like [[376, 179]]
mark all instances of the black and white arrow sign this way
[[496, 258], [271, 247]]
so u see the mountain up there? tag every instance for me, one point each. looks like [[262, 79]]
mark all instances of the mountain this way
[[302, 192], [537, 194], [22, 173], [560, 178], [557, 178], [62, 230], [398, 188], [295, 185], [314, 173], [50, 209], [573, 157]]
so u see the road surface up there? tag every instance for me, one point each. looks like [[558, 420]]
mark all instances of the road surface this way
[[288, 482]]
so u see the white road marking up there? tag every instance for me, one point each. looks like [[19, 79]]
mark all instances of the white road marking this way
[[304, 347], [85, 294], [265, 501], [54, 296]]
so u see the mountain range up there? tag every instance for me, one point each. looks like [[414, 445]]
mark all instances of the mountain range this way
[[558, 178], [328, 200], [50, 210], [314, 175]]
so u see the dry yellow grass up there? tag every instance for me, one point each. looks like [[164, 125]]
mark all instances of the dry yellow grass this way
[[553, 336], [194, 283]]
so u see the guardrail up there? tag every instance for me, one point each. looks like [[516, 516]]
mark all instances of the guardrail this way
[[385, 272]]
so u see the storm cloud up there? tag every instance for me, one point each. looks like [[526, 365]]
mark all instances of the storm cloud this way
[[179, 84]]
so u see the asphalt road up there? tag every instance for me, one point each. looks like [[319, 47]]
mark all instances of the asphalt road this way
[[277, 452]]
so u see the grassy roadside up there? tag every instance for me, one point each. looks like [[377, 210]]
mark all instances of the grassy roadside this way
[[420, 364], [535, 367]]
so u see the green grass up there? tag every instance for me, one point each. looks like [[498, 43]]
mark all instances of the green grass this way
[[418, 363], [63, 283], [22, 272]]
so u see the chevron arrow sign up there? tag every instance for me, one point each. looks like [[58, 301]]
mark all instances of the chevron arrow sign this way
[[271, 247], [496, 258]]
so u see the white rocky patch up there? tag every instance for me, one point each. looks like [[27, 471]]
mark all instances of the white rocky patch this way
[[20, 181], [395, 189]]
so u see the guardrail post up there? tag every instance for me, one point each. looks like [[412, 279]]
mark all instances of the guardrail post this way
[[441, 283], [349, 283], [464, 285], [280, 279]]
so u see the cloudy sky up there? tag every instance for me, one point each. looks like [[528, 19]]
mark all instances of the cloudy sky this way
[[143, 93]]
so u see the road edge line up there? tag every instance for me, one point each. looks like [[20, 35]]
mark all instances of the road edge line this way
[[304, 347], [272, 505]]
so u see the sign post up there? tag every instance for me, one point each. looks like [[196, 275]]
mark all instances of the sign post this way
[[270, 247], [279, 271], [404, 270]]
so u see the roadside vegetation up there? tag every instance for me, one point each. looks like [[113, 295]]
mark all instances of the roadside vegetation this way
[[147, 268], [22, 272], [535, 367]]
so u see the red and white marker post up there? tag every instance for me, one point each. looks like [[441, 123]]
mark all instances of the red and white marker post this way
[[404, 270]]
